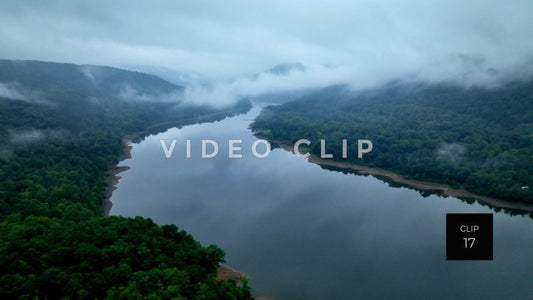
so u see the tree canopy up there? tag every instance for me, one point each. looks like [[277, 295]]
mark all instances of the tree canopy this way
[[60, 134], [478, 138]]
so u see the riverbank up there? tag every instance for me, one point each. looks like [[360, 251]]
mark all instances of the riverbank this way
[[112, 178], [418, 185], [227, 273], [223, 272]]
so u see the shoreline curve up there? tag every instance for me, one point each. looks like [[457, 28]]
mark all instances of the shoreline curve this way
[[421, 186]]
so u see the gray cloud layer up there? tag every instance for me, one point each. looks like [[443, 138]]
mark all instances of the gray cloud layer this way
[[359, 42]]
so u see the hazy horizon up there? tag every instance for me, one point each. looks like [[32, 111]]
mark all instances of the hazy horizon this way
[[229, 45]]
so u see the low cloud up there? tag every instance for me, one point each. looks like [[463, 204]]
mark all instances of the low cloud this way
[[225, 93], [127, 93], [462, 70], [11, 91], [452, 152], [14, 91], [362, 43], [90, 73], [24, 137]]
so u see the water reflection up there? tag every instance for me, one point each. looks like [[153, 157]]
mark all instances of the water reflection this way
[[426, 193], [302, 232]]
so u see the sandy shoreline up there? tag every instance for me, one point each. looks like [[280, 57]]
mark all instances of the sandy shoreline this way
[[226, 273], [422, 186], [113, 178]]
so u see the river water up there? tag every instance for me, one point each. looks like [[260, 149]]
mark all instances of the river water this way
[[299, 231]]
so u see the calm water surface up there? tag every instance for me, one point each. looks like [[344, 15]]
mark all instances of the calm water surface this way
[[302, 232]]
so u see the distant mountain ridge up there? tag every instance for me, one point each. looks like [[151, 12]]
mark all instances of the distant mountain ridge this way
[[87, 95], [69, 82]]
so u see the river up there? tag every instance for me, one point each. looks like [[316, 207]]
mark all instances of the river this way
[[299, 231]]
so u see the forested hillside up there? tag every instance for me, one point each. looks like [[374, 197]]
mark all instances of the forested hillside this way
[[61, 130], [477, 138]]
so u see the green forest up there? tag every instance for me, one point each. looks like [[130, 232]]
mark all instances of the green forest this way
[[477, 138], [61, 131]]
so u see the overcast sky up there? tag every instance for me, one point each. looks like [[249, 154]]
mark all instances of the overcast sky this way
[[359, 41]]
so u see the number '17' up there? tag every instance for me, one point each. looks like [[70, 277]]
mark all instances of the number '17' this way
[[469, 242]]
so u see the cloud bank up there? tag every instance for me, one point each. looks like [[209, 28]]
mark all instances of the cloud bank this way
[[343, 41]]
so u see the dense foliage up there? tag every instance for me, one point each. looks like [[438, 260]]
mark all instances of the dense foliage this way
[[60, 132], [102, 257], [477, 138]]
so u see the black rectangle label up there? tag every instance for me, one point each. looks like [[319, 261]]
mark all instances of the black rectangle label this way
[[469, 237]]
